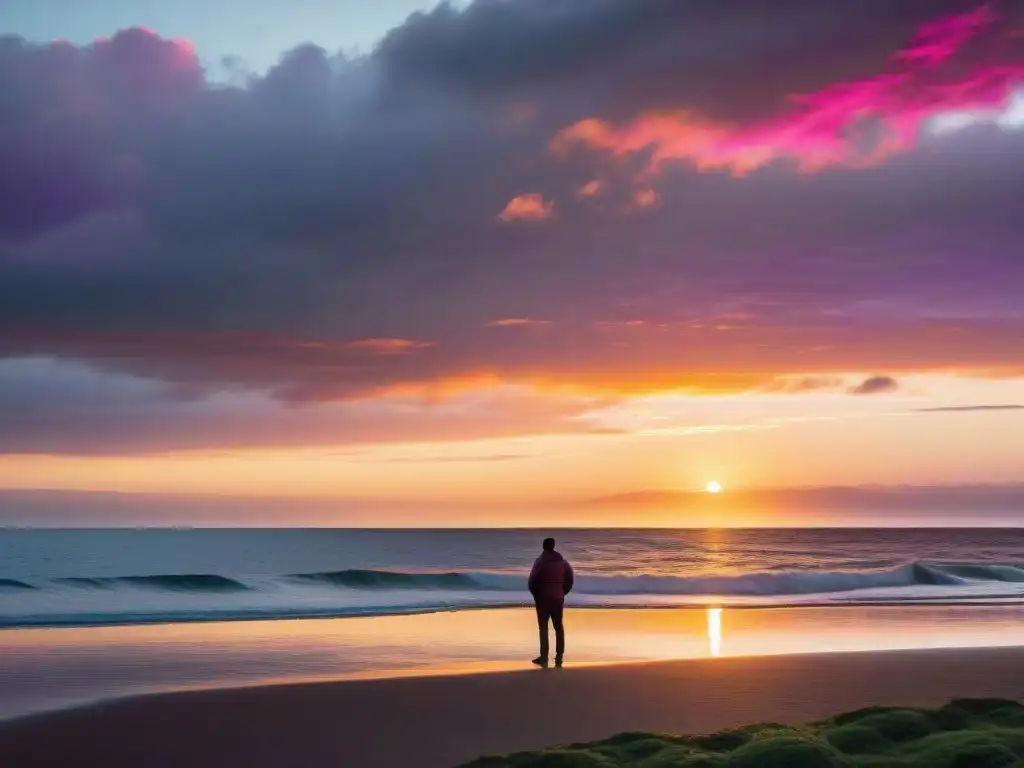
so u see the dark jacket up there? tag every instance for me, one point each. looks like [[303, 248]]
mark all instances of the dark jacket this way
[[551, 578]]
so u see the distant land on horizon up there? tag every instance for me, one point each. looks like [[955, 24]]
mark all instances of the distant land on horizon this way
[[989, 497]]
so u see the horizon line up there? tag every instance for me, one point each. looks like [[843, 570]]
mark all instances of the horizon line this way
[[529, 528]]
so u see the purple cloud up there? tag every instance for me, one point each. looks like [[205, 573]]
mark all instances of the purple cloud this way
[[876, 385]]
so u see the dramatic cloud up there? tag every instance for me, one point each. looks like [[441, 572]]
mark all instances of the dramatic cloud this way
[[64, 115], [57, 407], [856, 123], [388, 226], [1008, 116]]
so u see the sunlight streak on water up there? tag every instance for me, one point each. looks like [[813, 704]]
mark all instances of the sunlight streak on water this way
[[715, 631]]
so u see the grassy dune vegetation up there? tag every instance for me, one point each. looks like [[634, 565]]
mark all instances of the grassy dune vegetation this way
[[966, 733]]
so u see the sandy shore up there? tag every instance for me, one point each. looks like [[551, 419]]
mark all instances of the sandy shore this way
[[443, 721]]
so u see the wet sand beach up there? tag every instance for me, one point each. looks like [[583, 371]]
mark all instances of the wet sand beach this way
[[442, 721]]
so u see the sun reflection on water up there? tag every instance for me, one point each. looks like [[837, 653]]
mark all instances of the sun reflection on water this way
[[715, 631]]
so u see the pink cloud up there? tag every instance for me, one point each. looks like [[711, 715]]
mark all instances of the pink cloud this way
[[519, 322], [530, 207], [146, 66], [852, 124], [941, 40], [591, 189], [646, 198]]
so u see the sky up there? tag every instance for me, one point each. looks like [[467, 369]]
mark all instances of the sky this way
[[514, 260], [227, 35]]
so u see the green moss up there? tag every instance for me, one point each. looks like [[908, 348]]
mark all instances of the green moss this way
[[630, 738], [952, 718], [1010, 717], [966, 733], [682, 757], [963, 749], [725, 741], [856, 739], [633, 750], [857, 715], [901, 724], [984, 706], [785, 752], [1013, 738], [984, 756], [555, 758]]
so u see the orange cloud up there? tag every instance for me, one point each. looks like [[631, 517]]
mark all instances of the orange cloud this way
[[672, 134], [646, 198], [387, 346], [591, 189], [529, 207], [847, 124], [629, 355]]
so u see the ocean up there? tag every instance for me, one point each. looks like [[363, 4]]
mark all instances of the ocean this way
[[143, 576]]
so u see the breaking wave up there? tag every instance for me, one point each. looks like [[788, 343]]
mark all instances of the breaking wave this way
[[753, 584], [366, 579], [14, 584], [205, 597], [178, 582]]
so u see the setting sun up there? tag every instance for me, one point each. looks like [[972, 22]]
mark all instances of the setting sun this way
[[713, 487]]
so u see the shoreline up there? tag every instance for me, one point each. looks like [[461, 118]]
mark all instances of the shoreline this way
[[446, 719], [461, 670], [477, 669], [1009, 602]]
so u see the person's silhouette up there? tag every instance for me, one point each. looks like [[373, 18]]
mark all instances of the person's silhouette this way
[[550, 581]]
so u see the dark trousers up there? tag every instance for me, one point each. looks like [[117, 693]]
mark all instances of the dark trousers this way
[[551, 610]]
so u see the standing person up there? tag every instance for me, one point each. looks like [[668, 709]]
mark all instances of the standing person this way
[[550, 581]]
